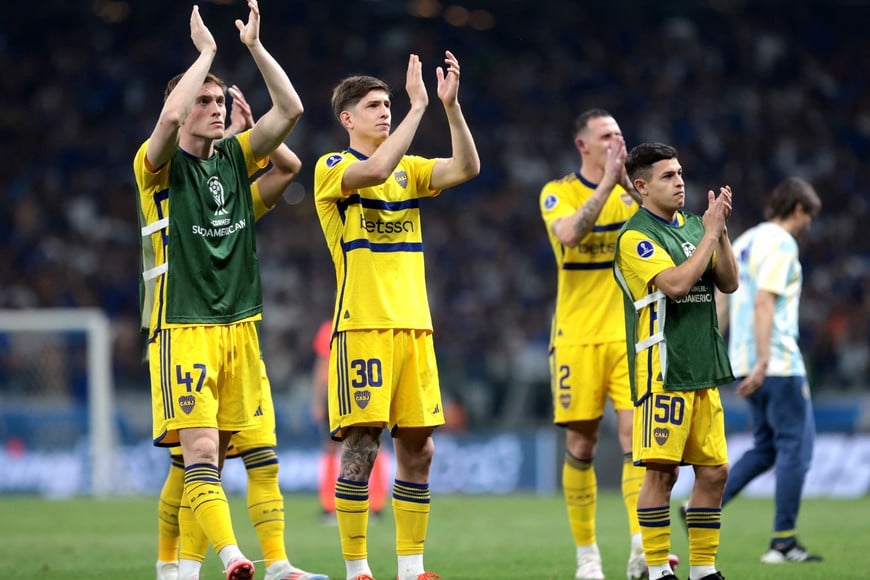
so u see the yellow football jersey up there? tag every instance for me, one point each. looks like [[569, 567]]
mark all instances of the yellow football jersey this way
[[589, 303], [376, 244]]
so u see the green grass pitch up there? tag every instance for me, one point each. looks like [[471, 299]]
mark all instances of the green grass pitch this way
[[470, 538]]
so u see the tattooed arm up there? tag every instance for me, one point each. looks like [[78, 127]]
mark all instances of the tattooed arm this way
[[569, 230]]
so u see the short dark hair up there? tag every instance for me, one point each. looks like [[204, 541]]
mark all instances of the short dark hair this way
[[351, 90], [788, 194], [583, 119], [642, 157], [209, 78]]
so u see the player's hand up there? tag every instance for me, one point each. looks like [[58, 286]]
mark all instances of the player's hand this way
[[718, 210], [200, 34], [249, 32], [614, 164], [241, 117], [414, 83], [448, 82]]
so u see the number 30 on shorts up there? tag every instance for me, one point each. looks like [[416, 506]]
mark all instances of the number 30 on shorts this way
[[368, 373], [669, 409]]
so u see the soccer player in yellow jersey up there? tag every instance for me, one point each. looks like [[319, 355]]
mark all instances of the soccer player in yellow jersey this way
[[202, 299], [382, 369], [583, 213], [669, 264], [256, 447]]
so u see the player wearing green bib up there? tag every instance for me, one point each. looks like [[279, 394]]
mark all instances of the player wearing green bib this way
[[201, 280], [668, 264]]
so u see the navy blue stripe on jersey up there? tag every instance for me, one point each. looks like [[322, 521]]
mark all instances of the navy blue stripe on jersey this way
[[342, 210], [166, 374], [376, 247], [377, 203], [608, 227], [587, 265]]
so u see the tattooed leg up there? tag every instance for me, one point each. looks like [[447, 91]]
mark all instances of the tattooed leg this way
[[358, 451]]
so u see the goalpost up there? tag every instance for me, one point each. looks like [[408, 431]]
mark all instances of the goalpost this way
[[95, 324]]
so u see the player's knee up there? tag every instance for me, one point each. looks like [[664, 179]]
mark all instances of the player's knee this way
[[712, 477], [417, 459], [202, 450], [662, 476]]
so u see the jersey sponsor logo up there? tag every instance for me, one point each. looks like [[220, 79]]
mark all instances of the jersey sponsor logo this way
[[187, 402], [437, 409], [333, 160], [216, 188], [401, 178], [645, 249], [597, 248], [550, 202], [380, 226], [661, 434], [688, 248], [219, 232], [362, 398]]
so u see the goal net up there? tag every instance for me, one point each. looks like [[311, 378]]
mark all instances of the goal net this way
[[56, 402]]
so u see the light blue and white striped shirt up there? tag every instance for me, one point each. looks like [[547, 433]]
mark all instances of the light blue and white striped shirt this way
[[767, 258]]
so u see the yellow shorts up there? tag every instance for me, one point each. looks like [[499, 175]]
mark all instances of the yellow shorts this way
[[264, 435], [205, 376], [383, 378], [583, 377], [680, 427]]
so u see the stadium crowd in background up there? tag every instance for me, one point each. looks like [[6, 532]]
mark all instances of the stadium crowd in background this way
[[748, 93]]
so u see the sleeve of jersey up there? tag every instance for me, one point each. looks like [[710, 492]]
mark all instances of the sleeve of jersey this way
[[421, 171], [773, 268], [252, 164], [641, 258], [148, 183], [145, 178], [328, 174], [553, 206], [260, 208]]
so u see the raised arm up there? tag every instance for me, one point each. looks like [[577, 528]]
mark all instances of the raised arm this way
[[377, 168], [464, 163], [677, 282], [164, 138], [569, 230], [273, 127], [285, 164]]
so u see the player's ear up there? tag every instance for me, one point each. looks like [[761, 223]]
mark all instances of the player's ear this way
[[346, 120], [640, 185]]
